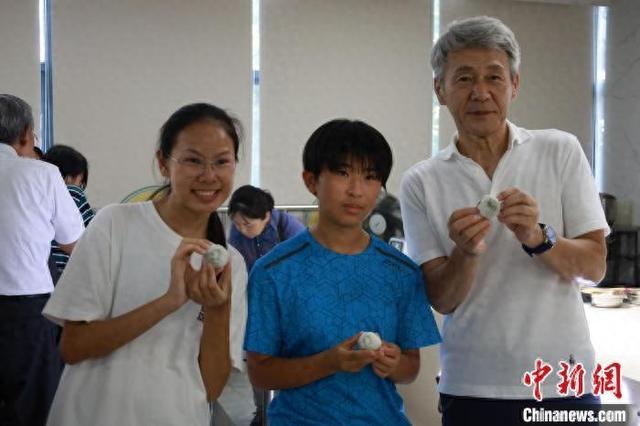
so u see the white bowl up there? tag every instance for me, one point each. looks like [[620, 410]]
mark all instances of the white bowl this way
[[607, 300]]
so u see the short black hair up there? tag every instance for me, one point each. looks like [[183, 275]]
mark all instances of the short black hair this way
[[69, 161], [342, 140], [251, 202]]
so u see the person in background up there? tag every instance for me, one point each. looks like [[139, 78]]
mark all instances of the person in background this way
[[506, 285], [74, 169], [36, 208], [150, 332], [257, 228], [312, 296]]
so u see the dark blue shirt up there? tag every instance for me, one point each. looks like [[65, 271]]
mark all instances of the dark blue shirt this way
[[281, 227]]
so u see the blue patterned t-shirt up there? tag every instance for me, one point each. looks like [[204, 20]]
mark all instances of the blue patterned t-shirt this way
[[305, 299]]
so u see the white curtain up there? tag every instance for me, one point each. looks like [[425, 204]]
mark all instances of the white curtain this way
[[19, 52], [556, 70], [352, 59], [122, 67]]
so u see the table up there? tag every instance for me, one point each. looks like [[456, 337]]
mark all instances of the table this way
[[615, 334]]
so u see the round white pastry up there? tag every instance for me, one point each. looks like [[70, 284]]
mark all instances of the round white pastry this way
[[489, 207], [216, 255], [369, 340]]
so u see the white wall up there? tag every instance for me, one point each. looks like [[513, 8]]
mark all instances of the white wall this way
[[122, 67], [556, 68], [342, 59], [19, 52]]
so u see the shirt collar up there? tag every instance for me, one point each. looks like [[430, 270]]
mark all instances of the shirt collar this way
[[7, 150], [517, 136]]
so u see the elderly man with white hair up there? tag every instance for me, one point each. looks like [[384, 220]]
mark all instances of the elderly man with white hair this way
[[506, 284]]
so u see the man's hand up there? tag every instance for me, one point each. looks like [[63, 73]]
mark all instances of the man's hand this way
[[467, 230], [387, 359], [345, 358], [519, 212]]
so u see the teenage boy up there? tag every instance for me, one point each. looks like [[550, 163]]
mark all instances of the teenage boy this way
[[312, 296]]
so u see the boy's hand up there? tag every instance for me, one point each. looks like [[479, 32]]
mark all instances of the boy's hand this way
[[387, 359], [345, 358]]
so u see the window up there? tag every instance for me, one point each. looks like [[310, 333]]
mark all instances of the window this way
[[46, 81]]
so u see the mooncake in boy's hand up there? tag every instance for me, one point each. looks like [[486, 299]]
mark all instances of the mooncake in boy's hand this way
[[369, 340]]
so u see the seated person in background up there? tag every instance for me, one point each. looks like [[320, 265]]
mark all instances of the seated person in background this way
[[312, 296], [74, 169], [256, 227]]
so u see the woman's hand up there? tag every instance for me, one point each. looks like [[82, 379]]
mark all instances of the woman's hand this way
[[209, 289], [181, 270]]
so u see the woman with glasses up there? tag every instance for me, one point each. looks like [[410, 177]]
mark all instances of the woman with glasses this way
[[74, 169], [150, 331]]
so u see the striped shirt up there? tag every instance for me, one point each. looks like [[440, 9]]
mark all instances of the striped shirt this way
[[77, 193]]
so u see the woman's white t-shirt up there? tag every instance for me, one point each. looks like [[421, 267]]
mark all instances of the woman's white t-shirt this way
[[122, 262]]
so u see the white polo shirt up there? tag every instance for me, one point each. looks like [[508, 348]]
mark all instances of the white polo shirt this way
[[36, 208], [517, 309]]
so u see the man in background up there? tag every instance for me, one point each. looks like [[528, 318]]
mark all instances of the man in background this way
[[36, 208]]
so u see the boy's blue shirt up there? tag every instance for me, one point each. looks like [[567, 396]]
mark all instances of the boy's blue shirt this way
[[305, 299]]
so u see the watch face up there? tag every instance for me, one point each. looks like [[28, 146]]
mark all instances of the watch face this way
[[550, 234]]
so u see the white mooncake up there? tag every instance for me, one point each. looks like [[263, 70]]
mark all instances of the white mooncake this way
[[217, 255], [489, 207], [369, 340]]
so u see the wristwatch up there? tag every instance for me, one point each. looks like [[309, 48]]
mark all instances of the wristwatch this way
[[549, 240]]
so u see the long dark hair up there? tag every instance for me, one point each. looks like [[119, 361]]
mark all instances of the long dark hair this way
[[184, 117]]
